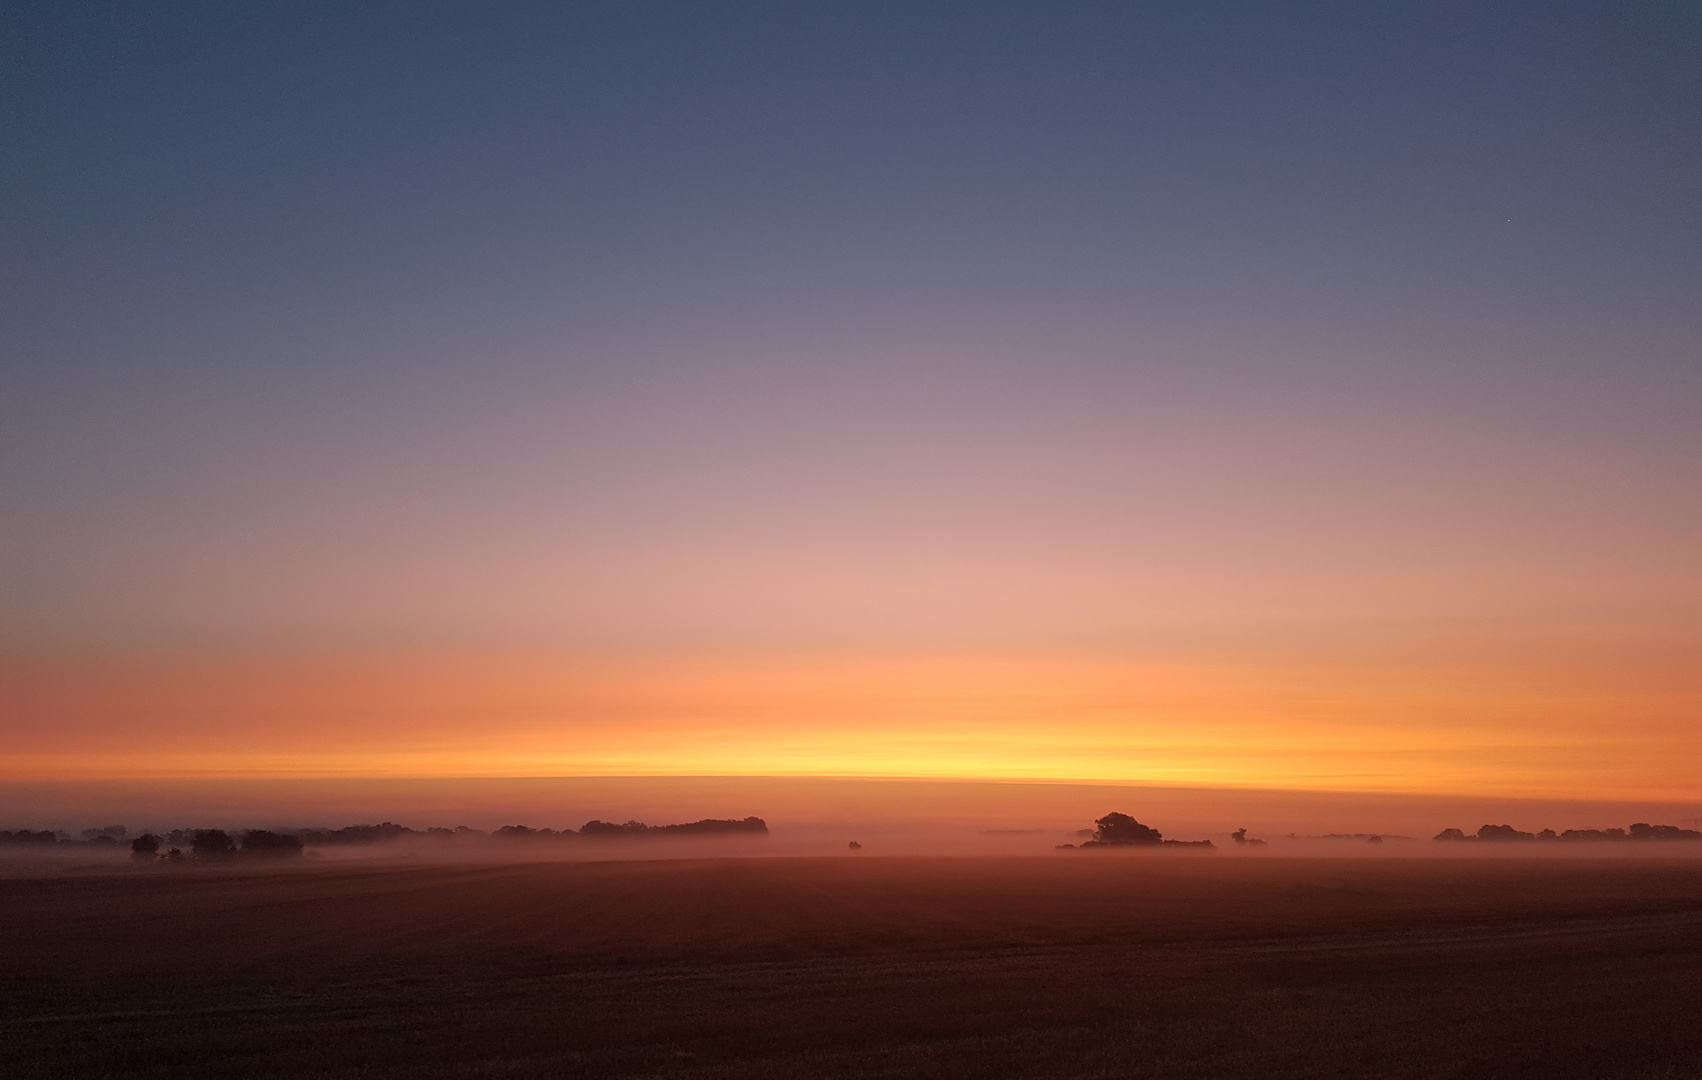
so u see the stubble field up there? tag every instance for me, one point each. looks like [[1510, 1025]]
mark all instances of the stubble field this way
[[1080, 965]]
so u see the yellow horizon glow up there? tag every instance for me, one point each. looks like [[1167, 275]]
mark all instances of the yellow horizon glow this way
[[1547, 724]]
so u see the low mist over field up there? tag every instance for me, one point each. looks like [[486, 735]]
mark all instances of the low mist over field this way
[[752, 836], [964, 815]]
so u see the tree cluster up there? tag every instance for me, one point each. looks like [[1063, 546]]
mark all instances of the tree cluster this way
[[1502, 834], [1121, 830], [706, 827], [217, 845]]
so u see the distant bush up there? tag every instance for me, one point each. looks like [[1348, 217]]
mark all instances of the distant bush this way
[[146, 846]]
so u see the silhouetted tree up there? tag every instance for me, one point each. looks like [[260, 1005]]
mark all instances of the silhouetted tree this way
[[1117, 828], [146, 846], [212, 844], [1644, 831], [609, 828], [1503, 833], [708, 826], [1451, 835]]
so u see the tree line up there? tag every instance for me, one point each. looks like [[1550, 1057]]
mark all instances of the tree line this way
[[214, 845], [1642, 830]]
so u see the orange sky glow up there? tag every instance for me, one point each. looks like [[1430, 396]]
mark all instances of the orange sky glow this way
[[1527, 722]]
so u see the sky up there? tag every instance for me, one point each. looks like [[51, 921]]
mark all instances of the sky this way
[[1264, 397]]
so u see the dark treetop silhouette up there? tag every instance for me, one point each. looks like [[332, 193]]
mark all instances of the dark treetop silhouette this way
[[1642, 830], [213, 845], [1121, 830], [706, 827]]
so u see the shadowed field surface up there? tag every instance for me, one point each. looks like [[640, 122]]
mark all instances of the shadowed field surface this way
[[1073, 966]]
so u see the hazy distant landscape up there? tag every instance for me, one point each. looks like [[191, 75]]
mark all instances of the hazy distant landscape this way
[[593, 839], [761, 541], [701, 950]]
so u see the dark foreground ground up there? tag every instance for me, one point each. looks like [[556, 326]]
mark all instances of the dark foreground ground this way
[[1079, 966]]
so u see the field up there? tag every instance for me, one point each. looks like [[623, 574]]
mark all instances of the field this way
[[1079, 965]]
